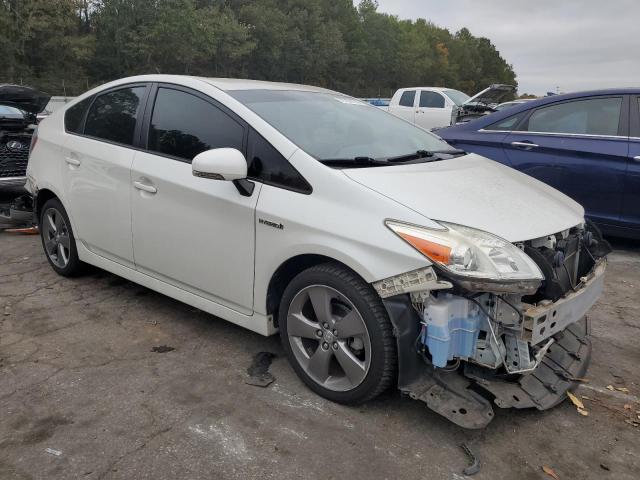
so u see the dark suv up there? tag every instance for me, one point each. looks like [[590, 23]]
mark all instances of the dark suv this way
[[18, 109]]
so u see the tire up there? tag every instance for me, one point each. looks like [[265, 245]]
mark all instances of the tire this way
[[58, 241], [352, 322]]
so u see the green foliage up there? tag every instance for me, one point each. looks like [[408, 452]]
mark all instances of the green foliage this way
[[66, 46]]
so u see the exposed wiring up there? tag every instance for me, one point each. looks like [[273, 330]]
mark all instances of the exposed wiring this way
[[564, 265]]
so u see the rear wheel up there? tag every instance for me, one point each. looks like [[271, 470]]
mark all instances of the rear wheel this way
[[337, 334], [57, 239]]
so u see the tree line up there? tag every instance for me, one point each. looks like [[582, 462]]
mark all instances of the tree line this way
[[68, 46]]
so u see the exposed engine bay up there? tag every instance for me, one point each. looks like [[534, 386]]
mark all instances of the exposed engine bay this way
[[519, 350], [19, 107]]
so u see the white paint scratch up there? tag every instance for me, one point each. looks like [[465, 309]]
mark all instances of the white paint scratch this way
[[231, 441], [291, 431]]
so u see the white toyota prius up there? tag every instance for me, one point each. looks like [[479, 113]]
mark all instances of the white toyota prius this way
[[381, 254]]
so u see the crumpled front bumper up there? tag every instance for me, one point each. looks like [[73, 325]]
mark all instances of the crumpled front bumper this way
[[566, 360], [466, 395]]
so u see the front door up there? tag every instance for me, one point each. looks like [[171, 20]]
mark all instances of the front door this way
[[432, 111], [97, 172], [578, 147], [194, 233]]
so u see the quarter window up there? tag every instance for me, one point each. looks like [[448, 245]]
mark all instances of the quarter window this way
[[184, 125], [407, 98], [266, 164], [112, 116], [508, 124], [431, 100], [74, 115], [595, 116]]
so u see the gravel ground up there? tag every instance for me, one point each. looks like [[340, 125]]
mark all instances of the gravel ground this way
[[78, 376]]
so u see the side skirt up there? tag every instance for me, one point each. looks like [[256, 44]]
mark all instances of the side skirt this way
[[257, 322]]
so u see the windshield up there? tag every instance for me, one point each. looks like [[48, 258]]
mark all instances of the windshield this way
[[457, 97], [7, 110], [333, 126]]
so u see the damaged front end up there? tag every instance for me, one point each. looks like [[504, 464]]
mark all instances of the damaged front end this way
[[463, 342]]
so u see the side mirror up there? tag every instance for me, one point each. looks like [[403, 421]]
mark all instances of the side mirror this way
[[220, 164]]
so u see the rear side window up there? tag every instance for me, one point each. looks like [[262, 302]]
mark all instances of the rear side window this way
[[112, 116], [595, 116], [74, 115], [507, 124], [266, 164], [431, 100], [407, 98], [184, 125]]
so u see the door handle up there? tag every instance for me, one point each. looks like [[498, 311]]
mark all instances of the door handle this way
[[72, 161], [525, 145], [637, 158], [144, 187]]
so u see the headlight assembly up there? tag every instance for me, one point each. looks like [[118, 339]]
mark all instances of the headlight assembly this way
[[476, 260]]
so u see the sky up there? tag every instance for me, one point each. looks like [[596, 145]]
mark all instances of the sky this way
[[567, 45]]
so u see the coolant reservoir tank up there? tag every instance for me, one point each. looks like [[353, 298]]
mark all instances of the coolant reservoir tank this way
[[452, 324]]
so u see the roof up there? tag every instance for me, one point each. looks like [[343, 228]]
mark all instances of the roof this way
[[227, 84], [432, 89]]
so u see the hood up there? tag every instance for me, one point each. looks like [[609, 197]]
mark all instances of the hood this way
[[494, 94], [24, 98], [475, 192]]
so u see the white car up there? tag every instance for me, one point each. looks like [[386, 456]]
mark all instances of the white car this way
[[380, 253], [436, 107]]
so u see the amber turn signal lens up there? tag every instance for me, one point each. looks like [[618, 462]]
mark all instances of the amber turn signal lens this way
[[434, 251]]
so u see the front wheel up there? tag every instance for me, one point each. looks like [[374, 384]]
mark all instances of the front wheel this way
[[337, 334]]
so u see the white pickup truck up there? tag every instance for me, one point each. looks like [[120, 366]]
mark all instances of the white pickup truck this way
[[437, 107]]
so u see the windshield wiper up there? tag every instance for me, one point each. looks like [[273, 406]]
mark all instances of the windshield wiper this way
[[432, 155], [353, 162]]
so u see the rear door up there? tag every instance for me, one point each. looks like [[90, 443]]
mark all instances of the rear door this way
[[487, 141], [195, 233], [579, 147], [432, 110], [97, 171], [631, 203], [405, 108]]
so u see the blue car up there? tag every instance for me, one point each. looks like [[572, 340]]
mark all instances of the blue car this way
[[585, 144]]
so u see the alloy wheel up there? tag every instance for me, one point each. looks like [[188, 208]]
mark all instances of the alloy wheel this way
[[57, 241], [329, 338]]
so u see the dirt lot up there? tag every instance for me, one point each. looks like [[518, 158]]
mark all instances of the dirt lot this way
[[77, 375]]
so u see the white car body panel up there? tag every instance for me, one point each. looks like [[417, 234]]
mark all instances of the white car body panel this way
[[425, 117], [195, 233], [476, 192], [98, 192], [229, 276]]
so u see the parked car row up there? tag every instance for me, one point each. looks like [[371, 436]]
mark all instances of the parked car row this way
[[585, 144]]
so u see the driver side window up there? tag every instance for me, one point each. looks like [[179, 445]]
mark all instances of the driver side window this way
[[431, 100], [184, 125]]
